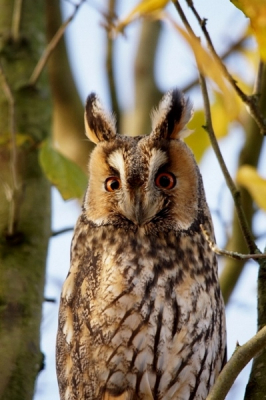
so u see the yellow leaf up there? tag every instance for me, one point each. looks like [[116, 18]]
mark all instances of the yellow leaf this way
[[249, 178], [198, 141], [207, 64], [255, 10], [221, 116], [145, 7]]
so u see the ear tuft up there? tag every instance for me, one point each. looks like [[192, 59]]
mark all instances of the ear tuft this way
[[99, 124], [172, 115]]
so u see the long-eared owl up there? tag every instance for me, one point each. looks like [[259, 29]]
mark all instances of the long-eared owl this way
[[141, 314]]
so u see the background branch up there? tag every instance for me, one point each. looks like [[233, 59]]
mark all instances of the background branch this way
[[67, 125], [60, 231], [109, 62], [16, 19], [51, 46], [209, 128], [11, 191], [147, 94]]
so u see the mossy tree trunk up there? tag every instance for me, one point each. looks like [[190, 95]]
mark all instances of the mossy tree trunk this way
[[24, 197]]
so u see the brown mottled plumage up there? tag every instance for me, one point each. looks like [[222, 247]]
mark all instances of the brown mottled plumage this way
[[141, 314]]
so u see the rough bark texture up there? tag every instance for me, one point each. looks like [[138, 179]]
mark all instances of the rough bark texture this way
[[22, 252]]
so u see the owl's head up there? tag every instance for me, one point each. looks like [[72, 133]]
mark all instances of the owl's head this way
[[143, 181]]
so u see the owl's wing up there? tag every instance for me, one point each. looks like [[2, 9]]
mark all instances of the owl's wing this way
[[74, 371]]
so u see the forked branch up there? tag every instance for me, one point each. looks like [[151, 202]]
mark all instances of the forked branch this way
[[250, 101], [209, 128]]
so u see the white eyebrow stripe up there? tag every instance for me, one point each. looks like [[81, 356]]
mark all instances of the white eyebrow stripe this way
[[116, 160], [157, 159]]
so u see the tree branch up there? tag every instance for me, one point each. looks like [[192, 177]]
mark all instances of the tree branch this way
[[209, 128], [68, 125], [259, 79], [16, 19], [250, 101], [51, 46], [230, 183], [64, 230], [11, 191], [232, 254], [253, 140], [240, 358], [109, 62], [147, 94]]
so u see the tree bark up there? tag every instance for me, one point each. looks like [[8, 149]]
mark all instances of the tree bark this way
[[24, 198], [256, 388]]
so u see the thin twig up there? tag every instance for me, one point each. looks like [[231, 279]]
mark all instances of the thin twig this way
[[13, 153], [51, 46], [240, 358], [64, 230], [231, 254], [209, 128], [49, 299], [250, 101], [16, 19], [229, 181]]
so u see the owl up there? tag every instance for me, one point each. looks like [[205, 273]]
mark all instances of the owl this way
[[141, 314]]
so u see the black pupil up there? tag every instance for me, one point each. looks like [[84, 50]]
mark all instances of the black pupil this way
[[164, 181], [114, 184]]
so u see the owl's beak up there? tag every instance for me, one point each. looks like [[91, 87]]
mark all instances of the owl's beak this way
[[139, 214]]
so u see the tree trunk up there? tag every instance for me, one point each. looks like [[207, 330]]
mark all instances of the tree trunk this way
[[24, 197], [256, 388]]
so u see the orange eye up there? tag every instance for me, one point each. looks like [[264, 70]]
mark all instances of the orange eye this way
[[112, 184], [165, 180]]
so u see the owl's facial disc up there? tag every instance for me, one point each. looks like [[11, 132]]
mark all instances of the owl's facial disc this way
[[134, 203], [139, 187]]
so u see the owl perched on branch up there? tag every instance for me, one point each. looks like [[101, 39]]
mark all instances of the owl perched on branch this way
[[141, 313]]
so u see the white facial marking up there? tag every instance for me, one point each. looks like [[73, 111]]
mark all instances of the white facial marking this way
[[116, 160], [157, 159]]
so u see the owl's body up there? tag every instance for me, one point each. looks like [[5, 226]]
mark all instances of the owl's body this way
[[141, 315]]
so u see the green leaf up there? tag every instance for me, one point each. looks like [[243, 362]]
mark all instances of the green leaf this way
[[255, 10], [63, 173], [249, 178]]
